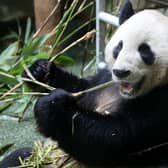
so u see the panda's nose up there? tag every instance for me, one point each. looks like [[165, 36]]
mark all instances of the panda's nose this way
[[121, 73]]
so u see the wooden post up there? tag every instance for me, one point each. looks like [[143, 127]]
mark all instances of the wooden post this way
[[42, 9]]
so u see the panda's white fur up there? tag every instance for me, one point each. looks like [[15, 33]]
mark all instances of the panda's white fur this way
[[149, 27]]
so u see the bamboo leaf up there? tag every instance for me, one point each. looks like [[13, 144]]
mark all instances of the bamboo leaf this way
[[28, 31], [18, 67], [64, 60], [31, 59], [7, 58], [7, 78], [3, 106], [34, 46], [22, 103]]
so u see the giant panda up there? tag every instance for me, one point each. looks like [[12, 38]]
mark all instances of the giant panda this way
[[125, 124]]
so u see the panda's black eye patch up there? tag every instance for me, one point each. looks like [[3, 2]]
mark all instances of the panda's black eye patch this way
[[117, 49], [146, 54]]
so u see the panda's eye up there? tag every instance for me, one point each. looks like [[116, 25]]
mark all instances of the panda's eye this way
[[146, 54], [117, 49]]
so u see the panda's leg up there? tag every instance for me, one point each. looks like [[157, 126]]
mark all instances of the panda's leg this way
[[53, 75], [12, 160], [88, 136]]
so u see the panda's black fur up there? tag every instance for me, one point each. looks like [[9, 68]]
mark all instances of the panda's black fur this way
[[119, 137], [13, 160], [102, 128]]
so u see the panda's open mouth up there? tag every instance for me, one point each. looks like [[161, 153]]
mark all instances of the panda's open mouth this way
[[129, 89]]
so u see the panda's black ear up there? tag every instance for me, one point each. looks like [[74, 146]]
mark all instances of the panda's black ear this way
[[126, 12]]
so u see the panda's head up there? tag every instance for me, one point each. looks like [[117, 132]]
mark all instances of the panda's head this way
[[137, 54]]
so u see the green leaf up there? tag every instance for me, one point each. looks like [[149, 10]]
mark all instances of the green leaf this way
[[7, 78], [31, 59], [28, 31], [18, 67], [3, 106], [64, 60], [22, 103], [6, 57], [33, 47]]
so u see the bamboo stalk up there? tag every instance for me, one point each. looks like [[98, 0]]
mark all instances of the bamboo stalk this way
[[21, 115], [58, 38], [39, 83], [159, 2], [85, 37], [75, 31], [101, 86], [28, 72], [62, 162], [11, 90], [96, 88], [24, 93], [47, 19], [150, 149]]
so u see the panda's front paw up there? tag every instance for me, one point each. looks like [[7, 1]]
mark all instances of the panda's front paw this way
[[39, 70], [54, 111]]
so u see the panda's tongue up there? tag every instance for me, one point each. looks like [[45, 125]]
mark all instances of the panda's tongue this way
[[126, 87]]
